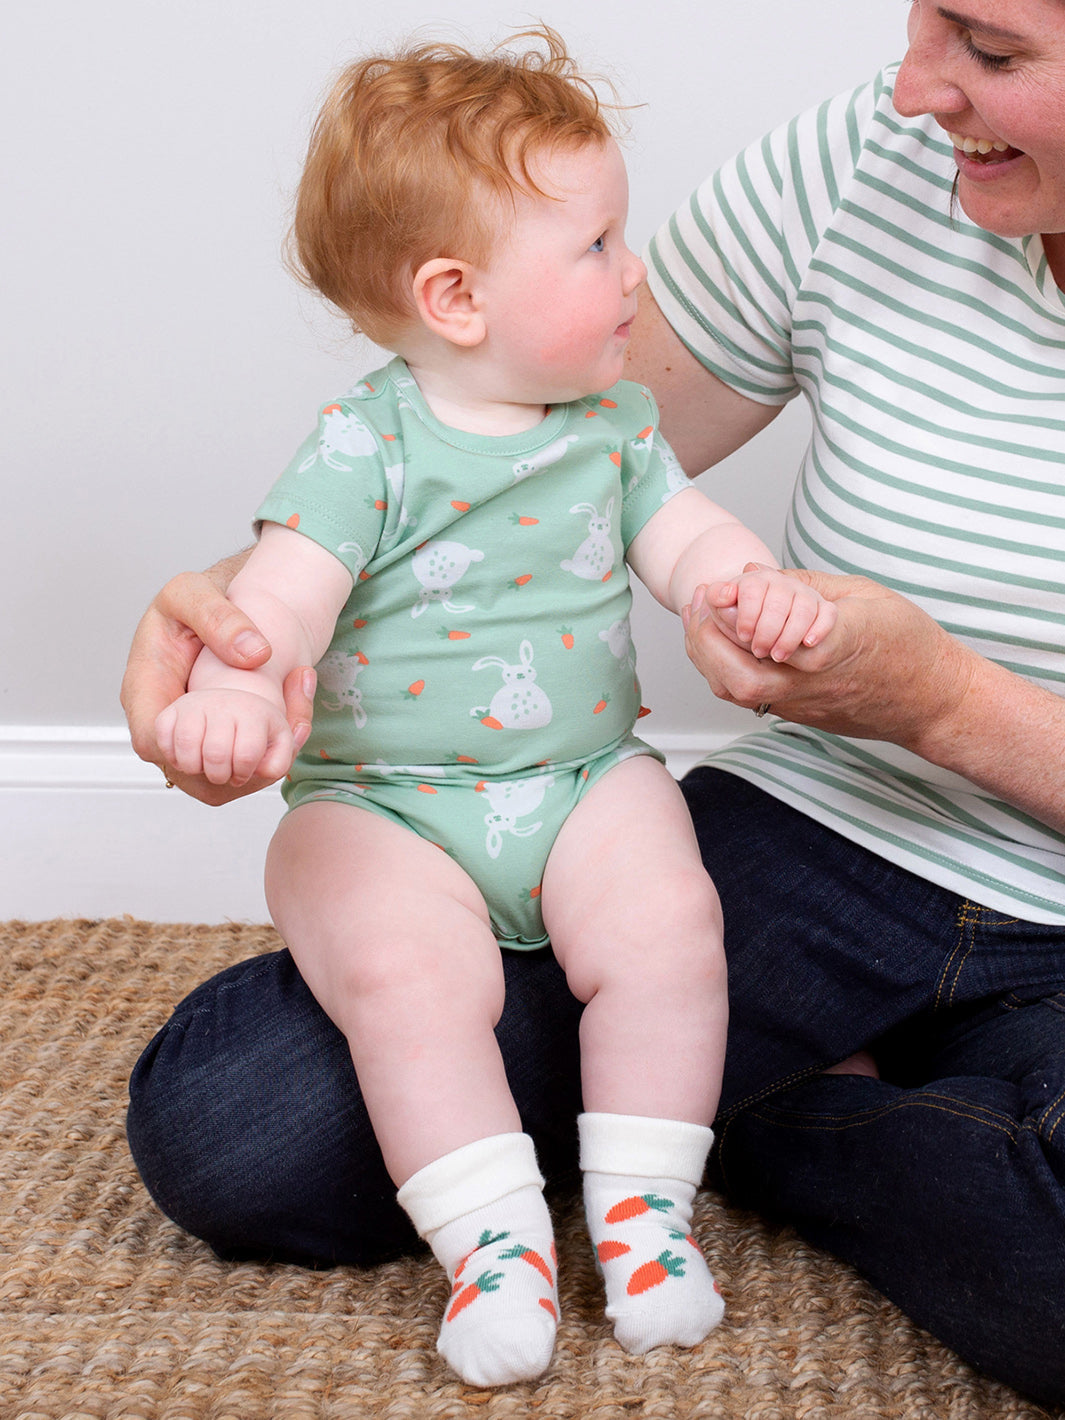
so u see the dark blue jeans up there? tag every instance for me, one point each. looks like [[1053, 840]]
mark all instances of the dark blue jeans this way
[[943, 1181]]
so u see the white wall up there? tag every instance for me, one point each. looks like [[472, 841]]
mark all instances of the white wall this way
[[161, 366]]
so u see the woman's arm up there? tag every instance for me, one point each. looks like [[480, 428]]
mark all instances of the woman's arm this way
[[700, 417], [888, 671]]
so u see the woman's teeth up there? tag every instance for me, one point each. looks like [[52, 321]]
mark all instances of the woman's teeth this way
[[978, 145]]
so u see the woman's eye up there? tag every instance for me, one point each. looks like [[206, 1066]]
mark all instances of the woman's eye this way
[[598, 245], [986, 61]]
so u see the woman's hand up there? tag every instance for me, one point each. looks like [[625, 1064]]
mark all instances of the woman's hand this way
[[886, 670], [192, 611]]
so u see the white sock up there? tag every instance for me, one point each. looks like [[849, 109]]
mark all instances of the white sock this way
[[640, 1177], [481, 1209]]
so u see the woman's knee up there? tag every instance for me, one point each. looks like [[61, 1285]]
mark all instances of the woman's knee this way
[[246, 1124]]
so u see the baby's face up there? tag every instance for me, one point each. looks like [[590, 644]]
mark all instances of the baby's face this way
[[560, 288]]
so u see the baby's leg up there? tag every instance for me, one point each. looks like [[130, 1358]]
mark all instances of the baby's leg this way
[[393, 939], [635, 922]]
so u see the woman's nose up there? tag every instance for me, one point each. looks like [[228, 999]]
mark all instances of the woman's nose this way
[[924, 83]]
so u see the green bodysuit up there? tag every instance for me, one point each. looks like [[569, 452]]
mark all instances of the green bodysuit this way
[[481, 676]]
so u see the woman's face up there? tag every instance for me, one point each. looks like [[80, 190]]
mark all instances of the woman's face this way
[[992, 73]]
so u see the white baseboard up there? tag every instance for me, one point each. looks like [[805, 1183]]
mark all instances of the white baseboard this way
[[88, 830]]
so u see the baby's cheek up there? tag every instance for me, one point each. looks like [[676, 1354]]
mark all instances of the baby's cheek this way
[[567, 339]]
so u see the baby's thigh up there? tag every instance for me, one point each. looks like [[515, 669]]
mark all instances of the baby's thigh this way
[[625, 885], [355, 894]]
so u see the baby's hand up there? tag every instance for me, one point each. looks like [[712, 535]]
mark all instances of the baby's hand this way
[[774, 614], [227, 736]]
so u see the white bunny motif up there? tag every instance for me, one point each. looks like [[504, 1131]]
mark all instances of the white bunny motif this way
[[519, 704], [511, 799], [676, 478], [544, 458], [337, 674], [438, 565], [594, 559], [344, 435], [396, 475], [618, 638]]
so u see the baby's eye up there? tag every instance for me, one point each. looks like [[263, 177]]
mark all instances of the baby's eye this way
[[599, 244]]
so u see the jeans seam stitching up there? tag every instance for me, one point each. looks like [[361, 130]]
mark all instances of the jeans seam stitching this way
[[937, 1101], [1041, 1123], [982, 1116], [797, 1077], [960, 924], [970, 917], [208, 1007]]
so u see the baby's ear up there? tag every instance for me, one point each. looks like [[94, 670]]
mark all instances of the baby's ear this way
[[446, 301]]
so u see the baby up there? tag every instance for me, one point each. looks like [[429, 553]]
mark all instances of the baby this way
[[449, 547]]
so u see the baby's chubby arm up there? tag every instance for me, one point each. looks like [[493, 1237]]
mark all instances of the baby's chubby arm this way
[[231, 723], [691, 542]]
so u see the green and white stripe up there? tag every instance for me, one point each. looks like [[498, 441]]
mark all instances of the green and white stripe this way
[[827, 260]]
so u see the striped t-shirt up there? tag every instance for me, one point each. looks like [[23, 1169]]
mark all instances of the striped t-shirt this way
[[827, 259]]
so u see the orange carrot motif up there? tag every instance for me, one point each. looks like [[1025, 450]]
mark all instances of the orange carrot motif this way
[[532, 1258], [635, 1207], [521, 581], [414, 689], [486, 1238], [520, 520], [459, 506], [487, 1282], [566, 632], [608, 1250], [601, 706], [653, 1274], [450, 634]]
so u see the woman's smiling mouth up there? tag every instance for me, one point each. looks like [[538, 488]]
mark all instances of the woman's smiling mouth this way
[[983, 150]]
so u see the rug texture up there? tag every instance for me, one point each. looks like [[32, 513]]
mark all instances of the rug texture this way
[[107, 1310]]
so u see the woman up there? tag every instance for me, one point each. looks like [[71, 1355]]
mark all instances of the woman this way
[[890, 852]]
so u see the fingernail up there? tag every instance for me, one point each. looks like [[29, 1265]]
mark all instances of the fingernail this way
[[309, 684], [248, 645], [301, 734]]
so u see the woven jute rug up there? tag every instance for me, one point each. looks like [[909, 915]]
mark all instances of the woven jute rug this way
[[107, 1310]]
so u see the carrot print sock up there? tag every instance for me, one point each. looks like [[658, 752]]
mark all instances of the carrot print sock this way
[[640, 1177], [481, 1209]]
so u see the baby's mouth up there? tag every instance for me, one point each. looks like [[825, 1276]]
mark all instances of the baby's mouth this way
[[984, 150]]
